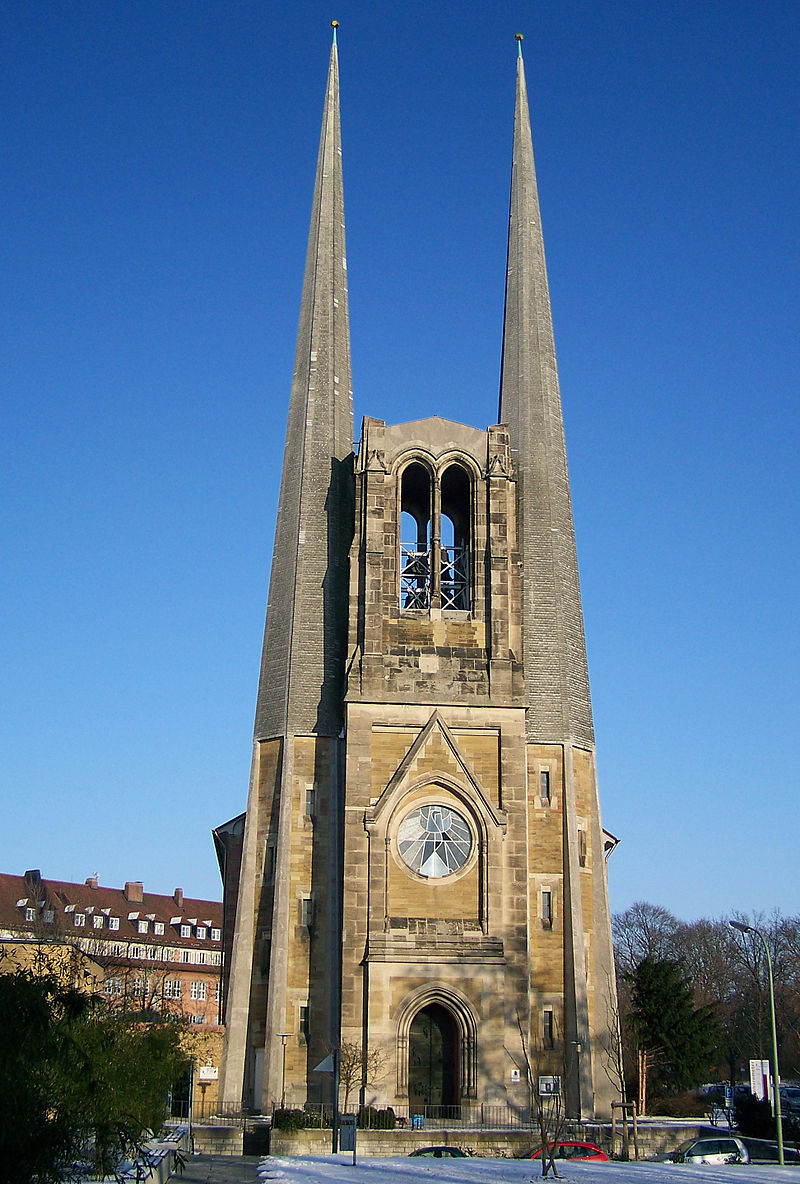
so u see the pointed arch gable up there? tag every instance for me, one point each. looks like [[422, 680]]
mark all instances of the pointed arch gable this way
[[401, 780]]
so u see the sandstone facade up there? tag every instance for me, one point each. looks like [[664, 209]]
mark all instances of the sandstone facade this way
[[422, 867]]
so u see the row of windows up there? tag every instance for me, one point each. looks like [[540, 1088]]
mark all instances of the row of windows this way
[[171, 988], [164, 954], [201, 932], [99, 920], [121, 949]]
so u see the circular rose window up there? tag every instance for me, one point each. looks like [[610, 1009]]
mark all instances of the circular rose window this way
[[434, 841]]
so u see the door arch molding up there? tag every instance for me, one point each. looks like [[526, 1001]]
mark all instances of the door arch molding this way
[[459, 1008]]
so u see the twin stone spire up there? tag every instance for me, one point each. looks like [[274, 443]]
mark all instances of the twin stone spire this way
[[302, 671], [326, 900]]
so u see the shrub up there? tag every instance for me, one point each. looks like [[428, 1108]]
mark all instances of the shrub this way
[[754, 1117], [289, 1120], [386, 1119], [368, 1118], [684, 1105]]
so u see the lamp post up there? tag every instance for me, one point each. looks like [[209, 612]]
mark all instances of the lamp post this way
[[776, 1076], [284, 1038], [576, 1044]]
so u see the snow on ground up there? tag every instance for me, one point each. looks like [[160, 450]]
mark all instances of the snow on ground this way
[[339, 1169]]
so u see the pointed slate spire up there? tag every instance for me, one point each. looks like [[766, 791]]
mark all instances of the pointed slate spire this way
[[306, 627], [554, 650], [300, 690]]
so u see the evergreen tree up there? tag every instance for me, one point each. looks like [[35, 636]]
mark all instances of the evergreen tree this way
[[676, 1041], [78, 1080]]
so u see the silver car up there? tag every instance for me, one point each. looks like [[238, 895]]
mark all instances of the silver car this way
[[711, 1149]]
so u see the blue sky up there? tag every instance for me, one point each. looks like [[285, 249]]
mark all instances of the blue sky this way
[[158, 165]]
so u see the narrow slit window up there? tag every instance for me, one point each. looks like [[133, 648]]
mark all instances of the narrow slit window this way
[[547, 1028], [544, 785], [547, 908]]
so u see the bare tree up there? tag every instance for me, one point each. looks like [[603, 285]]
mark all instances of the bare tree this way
[[613, 1062], [644, 930], [548, 1107], [357, 1068], [727, 971]]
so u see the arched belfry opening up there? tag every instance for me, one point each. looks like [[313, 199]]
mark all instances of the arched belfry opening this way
[[455, 538], [433, 1061], [415, 537]]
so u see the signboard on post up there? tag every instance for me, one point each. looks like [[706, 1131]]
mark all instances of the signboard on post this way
[[760, 1082], [331, 1065]]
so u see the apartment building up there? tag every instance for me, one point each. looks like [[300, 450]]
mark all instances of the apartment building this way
[[149, 952]]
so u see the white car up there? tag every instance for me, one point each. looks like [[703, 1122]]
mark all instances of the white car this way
[[711, 1149]]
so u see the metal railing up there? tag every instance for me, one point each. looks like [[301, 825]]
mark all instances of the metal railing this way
[[209, 1113], [455, 577], [471, 1116], [415, 577]]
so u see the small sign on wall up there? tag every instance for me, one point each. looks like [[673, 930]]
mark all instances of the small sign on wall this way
[[515, 1076]]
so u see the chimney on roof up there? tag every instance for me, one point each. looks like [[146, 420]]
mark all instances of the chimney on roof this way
[[177, 896], [33, 877], [134, 891], [92, 881]]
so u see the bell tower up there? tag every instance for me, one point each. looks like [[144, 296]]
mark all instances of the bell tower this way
[[423, 859]]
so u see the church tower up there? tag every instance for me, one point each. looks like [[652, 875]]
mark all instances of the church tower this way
[[422, 867]]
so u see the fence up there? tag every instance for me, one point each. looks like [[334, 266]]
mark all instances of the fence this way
[[212, 1113], [478, 1116]]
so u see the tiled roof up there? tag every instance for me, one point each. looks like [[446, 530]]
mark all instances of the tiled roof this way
[[65, 900]]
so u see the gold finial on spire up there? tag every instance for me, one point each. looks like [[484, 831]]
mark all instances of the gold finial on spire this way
[[334, 26], [518, 39]]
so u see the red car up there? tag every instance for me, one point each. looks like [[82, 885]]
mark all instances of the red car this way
[[569, 1150]]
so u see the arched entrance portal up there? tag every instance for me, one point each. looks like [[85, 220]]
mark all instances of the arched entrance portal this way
[[433, 1057]]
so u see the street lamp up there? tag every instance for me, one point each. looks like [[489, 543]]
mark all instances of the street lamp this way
[[776, 1075], [284, 1038], [576, 1044]]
